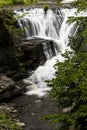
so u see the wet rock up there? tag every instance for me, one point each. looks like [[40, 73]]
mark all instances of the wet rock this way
[[8, 88], [31, 53], [18, 74]]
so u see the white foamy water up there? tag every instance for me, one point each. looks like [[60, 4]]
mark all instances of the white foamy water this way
[[67, 1], [48, 26]]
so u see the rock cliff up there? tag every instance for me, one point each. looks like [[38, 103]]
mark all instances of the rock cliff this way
[[18, 55]]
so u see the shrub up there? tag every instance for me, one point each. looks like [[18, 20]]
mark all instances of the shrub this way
[[18, 1]]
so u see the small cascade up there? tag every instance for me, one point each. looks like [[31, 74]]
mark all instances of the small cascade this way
[[36, 22], [51, 26], [50, 49]]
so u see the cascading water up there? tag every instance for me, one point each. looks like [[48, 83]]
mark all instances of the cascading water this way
[[36, 22], [52, 26], [67, 1]]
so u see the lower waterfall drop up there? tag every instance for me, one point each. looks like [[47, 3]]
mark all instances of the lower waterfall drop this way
[[51, 26]]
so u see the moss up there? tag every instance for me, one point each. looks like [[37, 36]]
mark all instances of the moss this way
[[59, 2], [5, 2], [11, 23], [16, 2], [8, 123]]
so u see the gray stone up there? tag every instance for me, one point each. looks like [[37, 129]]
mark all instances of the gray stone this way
[[8, 88]]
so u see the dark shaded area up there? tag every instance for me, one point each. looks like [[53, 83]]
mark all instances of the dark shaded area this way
[[8, 60]]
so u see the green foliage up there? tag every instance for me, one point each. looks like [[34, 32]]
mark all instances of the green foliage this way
[[16, 2], [10, 24], [69, 87], [59, 2], [81, 4], [9, 21], [5, 2], [22, 1], [70, 82], [7, 123], [80, 41]]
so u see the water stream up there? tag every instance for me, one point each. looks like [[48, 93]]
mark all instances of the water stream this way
[[51, 25], [67, 1]]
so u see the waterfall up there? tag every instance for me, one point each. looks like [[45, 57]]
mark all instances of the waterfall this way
[[52, 26], [36, 22], [67, 1]]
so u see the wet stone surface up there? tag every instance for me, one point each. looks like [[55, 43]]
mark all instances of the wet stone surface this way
[[32, 108]]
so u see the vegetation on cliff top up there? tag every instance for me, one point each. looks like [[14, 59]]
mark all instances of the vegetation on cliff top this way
[[16, 2], [22, 2]]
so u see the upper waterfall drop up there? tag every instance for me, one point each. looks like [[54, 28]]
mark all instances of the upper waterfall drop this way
[[52, 25], [36, 22], [68, 1]]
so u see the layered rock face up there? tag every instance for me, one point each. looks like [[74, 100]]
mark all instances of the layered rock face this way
[[31, 53]]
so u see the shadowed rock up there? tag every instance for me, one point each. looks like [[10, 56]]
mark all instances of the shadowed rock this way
[[8, 61], [8, 88], [31, 53]]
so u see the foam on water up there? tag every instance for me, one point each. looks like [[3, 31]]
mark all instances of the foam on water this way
[[67, 1], [51, 26]]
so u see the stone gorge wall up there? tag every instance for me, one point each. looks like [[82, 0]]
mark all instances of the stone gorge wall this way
[[15, 52], [16, 56], [8, 61]]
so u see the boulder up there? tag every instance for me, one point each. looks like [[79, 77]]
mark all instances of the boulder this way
[[8, 88], [32, 53]]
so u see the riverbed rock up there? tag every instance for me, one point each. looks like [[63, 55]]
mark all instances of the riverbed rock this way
[[8, 88]]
